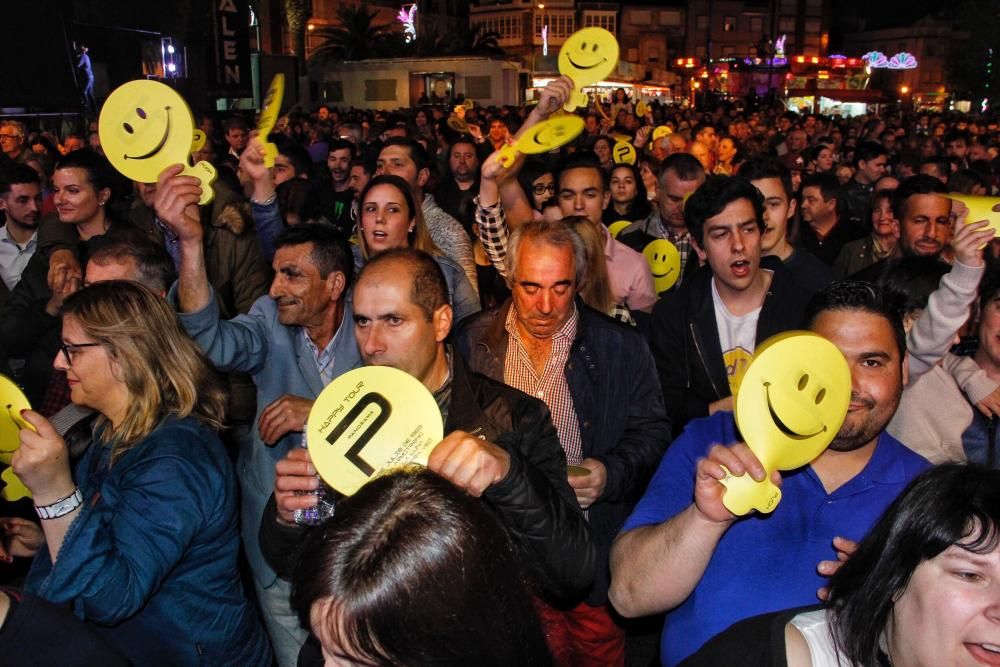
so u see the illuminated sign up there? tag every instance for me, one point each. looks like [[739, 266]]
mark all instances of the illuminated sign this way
[[409, 20], [878, 60]]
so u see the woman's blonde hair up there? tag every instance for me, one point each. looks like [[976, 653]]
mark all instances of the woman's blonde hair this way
[[163, 370], [419, 238], [596, 287]]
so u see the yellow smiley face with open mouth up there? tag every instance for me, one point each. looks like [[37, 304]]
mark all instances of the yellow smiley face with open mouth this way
[[146, 126], [790, 405], [587, 56]]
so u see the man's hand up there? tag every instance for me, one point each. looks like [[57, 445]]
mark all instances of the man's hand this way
[[176, 203], [252, 161], [845, 548], [990, 406], [21, 538], [294, 475], [288, 414], [42, 461], [970, 240], [642, 136], [708, 490], [588, 488], [65, 283], [553, 97], [468, 462], [63, 264], [720, 405]]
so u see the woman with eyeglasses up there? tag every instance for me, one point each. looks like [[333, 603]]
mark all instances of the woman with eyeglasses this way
[[538, 183], [141, 541]]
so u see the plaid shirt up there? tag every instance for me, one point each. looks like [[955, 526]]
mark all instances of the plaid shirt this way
[[551, 387], [494, 233]]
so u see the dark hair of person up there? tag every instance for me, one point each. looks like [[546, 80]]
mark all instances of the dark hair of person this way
[[301, 197], [235, 123], [100, 173], [417, 151], [950, 504], [121, 244], [338, 144], [965, 180], [17, 173], [685, 165], [913, 279], [582, 159], [858, 295], [639, 207], [428, 288], [879, 195], [715, 194], [296, 154], [827, 183], [919, 184], [868, 150], [989, 286], [531, 171], [417, 572], [330, 252], [941, 165], [762, 167]]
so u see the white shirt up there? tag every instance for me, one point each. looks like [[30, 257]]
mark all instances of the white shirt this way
[[737, 337], [14, 257]]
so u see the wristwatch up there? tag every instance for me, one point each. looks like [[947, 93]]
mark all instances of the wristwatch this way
[[61, 507]]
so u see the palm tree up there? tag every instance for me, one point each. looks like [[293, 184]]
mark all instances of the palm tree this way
[[297, 13], [478, 41], [356, 38]]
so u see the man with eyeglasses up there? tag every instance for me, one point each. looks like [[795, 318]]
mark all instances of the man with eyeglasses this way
[[12, 142]]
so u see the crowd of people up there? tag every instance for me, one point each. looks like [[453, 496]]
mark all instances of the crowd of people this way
[[172, 353]]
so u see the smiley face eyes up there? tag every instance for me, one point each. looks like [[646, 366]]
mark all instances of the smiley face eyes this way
[[141, 113], [583, 47], [804, 382]]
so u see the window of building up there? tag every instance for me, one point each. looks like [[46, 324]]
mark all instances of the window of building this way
[[641, 17], [756, 24], [606, 21], [479, 87], [786, 24], [699, 52], [813, 26], [701, 22], [729, 24], [380, 90], [670, 17], [728, 51]]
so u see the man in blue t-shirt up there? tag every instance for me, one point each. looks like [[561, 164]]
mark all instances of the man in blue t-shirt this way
[[709, 568]]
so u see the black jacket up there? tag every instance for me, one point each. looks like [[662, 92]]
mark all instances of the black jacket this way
[[686, 339], [617, 402], [534, 501]]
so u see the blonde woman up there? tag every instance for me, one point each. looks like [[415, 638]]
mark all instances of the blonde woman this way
[[142, 541]]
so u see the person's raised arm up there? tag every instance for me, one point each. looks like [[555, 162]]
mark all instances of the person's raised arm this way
[[655, 567], [176, 206], [264, 202]]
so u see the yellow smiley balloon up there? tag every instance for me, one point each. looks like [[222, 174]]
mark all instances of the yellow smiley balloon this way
[[269, 116], [587, 56], [661, 131], [546, 136], [641, 109], [12, 401], [789, 407], [198, 141], [623, 153], [146, 126], [615, 228], [980, 208], [664, 262]]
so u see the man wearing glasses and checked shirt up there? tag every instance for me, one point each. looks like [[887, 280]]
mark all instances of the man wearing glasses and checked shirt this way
[[12, 142]]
